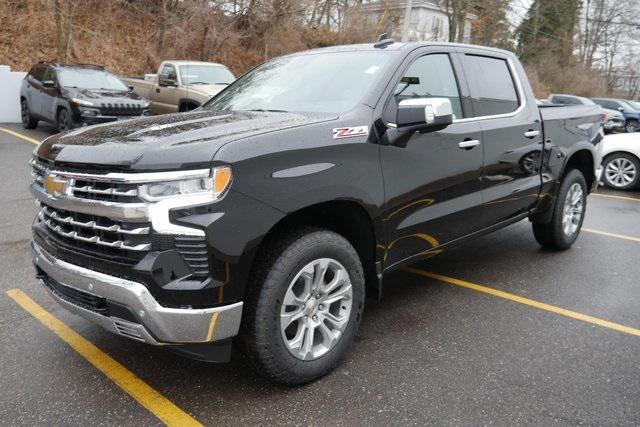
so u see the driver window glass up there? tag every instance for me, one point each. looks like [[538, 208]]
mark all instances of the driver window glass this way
[[169, 72], [431, 76], [48, 75], [38, 73]]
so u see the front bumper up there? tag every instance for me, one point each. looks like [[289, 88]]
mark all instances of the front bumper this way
[[612, 124], [154, 324]]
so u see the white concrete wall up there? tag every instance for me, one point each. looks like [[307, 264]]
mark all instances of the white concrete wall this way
[[10, 82]]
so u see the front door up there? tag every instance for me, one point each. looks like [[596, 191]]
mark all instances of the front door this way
[[431, 179]]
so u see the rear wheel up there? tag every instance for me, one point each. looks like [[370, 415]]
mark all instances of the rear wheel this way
[[305, 307], [568, 214], [621, 171], [64, 120], [28, 122]]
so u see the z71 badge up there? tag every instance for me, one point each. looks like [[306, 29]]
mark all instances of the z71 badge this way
[[339, 133]]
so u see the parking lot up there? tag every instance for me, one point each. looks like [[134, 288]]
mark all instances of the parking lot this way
[[498, 331]]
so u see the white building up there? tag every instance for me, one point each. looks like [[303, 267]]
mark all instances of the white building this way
[[428, 19]]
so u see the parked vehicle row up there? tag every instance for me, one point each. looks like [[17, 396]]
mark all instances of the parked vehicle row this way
[[621, 115], [70, 96], [181, 85], [269, 212]]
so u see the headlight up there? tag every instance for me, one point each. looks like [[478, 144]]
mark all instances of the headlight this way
[[82, 102], [214, 185]]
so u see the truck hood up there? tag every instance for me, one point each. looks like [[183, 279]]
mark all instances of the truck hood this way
[[168, 142], [101, 96]]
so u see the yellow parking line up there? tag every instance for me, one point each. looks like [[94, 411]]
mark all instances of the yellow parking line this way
[[153, 401], [618, 236], [21, 136], [527, 301], [610, 196]]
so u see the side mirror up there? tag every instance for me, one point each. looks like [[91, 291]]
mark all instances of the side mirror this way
[[131, 88], [620, 109], [48, 83], [429, 112]]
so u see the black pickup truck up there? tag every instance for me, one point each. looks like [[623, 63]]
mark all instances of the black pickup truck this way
[[268, 213]]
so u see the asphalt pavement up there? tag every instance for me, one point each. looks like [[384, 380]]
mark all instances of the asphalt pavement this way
[[507, 333]]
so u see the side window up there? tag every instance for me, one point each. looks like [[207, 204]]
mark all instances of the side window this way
[[37, 73], [431, 76], [169, 72], [49, 74], [492, 87]]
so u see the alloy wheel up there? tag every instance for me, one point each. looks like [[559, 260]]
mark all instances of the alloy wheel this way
[[620, 172], [573, 209], [316, 309]]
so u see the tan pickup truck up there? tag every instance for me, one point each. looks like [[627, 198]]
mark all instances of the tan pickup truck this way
[[181, 85]]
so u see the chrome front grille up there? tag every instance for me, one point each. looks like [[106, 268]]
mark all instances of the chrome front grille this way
[[96, 230], [109, 215], [120, 109]]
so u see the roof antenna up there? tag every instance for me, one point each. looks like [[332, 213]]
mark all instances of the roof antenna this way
[[383, 41]]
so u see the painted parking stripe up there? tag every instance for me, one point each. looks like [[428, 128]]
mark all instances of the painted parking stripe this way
[[526, 301], [154, 402], [611, 196], [617, 236], [21, 136]]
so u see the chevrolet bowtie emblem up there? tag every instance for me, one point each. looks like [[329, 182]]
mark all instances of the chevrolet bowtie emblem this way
[[55, 186]]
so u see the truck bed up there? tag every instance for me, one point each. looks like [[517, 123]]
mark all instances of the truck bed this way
[[570, 124]]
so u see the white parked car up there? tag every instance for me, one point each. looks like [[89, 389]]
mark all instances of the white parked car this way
[[621, 161]]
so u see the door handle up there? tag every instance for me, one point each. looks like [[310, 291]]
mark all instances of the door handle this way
[[532, 134], [469, 144], [157, 90]]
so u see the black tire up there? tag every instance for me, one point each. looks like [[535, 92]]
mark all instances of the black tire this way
[[616, 161], [631, 126], [65, 122], [28, 122], [552, 235], [275, 270]]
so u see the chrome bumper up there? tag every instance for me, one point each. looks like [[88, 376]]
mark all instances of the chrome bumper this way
[[159, 325]]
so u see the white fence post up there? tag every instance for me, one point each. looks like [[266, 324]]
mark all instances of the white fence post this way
[[10, 82]]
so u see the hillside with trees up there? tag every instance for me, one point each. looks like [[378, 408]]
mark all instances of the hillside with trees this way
[[577, 46]]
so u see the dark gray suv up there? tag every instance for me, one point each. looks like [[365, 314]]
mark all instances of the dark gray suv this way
[[71, 95]]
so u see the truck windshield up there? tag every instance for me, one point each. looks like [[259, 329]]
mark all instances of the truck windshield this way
[[205, 75], [332, 82], [85, 78]]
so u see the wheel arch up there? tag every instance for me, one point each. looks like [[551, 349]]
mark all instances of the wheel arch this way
[[182, 102], [345, 217], [582, 160]]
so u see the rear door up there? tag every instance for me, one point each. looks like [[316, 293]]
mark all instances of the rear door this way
[[511, 135], [48, 95], [34, 92], [431, 183]]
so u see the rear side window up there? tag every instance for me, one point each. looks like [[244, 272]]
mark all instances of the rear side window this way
[[431, 76], [492, 87]]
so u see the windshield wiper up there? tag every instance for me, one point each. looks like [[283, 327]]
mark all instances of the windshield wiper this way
[[262, 110]]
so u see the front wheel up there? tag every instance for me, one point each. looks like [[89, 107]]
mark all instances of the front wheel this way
[[568, 214], [28, 122], [621, 171], [305, 306], [64, 120], [631, 126]]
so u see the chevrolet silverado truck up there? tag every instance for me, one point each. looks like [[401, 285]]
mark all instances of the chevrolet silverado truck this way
[[181, 85], [264, 218]]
